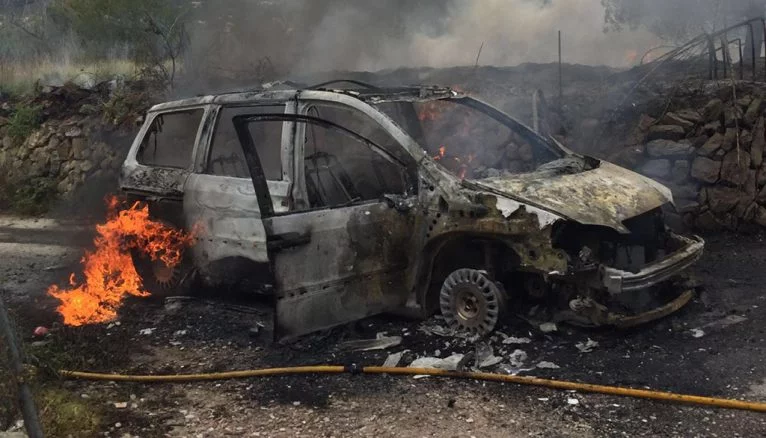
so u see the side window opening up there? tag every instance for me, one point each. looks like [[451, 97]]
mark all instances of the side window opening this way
[[226, 156], [341, 169], [170, 140]]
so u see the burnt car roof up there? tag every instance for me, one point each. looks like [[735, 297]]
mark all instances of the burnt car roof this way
[[280, 90]]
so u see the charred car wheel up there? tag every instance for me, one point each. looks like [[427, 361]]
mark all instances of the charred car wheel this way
[[161, 280], [471, 301]]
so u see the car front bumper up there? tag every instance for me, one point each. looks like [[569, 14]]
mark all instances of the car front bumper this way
[[617, 281]]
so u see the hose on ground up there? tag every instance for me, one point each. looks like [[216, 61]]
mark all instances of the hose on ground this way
[[401, 371]]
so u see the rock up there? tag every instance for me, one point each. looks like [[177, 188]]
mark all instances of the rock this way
[[760, 177], [54, 142], [730, 139], [86, 166], [705, 169], [751, 185], [745, 140], [675, 119], [665, 132], [690, 115], [711, 146], [680, 170], [750, 211], [711, 128], [734, 167], [629, 156], [699, 140], [74, 131], [7, 142], [656, 168], [667, 148], [744, 101], [105, 163], [753, 111], [684, 191], [722, 199], [712, 111], [732, 116], [756, 147], [80, 149]]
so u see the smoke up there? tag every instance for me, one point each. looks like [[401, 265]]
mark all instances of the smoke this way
[[300, 36]]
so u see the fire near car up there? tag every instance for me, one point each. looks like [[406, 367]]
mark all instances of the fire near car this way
[[341, 203]]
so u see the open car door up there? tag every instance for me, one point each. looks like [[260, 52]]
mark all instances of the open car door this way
[[343, 257]]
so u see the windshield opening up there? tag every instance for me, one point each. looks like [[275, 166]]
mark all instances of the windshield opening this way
[[468, 142]]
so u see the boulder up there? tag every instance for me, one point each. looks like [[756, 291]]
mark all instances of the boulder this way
[[680, 170], [705, 169], [759, 141], [656, 168], [629, 156], [735, 166], [722, 199], [751, 183], [699, 140], [711, 145], [712, 111], [668, 148], [760, 217], [675, 119], [74, 131], [7, 142], [665, 132], [760, 177]]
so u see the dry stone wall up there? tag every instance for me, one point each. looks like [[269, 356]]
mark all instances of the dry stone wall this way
[[710, 155]]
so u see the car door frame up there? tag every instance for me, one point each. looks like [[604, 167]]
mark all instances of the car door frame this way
[[320, 305], [158, 182]]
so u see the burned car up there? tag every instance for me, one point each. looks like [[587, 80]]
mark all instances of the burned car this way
[[341, 202]]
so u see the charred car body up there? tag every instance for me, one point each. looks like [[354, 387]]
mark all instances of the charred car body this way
[[340, 203]]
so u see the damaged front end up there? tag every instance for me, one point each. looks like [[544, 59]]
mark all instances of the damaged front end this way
[[624, 266]]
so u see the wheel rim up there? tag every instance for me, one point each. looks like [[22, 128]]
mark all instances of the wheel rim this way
[[164, 275], [470, 301]]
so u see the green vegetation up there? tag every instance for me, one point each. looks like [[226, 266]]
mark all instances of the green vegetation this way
[[24, 121], [28, 196]]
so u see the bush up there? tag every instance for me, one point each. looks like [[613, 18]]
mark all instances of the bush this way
[[27, 196], [24, 121]]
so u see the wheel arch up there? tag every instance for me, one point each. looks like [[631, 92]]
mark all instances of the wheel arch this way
[[447, 253]]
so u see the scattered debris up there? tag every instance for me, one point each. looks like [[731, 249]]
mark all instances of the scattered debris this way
[[517, 358], [547, 365], [393, 359], [381, 342], [573, 401], [40, 331], [515, 340], [586, 347], [697, 333], [485, 356], [121, 405], [448, 363], [147, 331], [54, 268], [548, 327]]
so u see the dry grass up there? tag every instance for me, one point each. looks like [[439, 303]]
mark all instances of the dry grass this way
[[20, 78]]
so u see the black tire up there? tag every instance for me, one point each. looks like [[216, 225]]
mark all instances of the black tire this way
[[470, 301]]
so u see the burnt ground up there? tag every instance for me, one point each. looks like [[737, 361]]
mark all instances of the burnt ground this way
[[205, 335]]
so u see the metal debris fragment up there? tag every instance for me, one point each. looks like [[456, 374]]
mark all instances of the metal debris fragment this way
[[547, 365], [381, 342], [517, 358], [515, 340], [548, 327], [697, 333], [393, 359], [586, 347], [448, 363]]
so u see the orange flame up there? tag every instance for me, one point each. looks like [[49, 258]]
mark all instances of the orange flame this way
[[109, 272]]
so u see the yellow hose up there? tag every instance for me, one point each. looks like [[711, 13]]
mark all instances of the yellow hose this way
[[522, 380]]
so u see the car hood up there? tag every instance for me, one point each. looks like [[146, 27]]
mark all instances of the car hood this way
[[603, 195]]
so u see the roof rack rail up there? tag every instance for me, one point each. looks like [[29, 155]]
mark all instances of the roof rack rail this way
[[338, 81]]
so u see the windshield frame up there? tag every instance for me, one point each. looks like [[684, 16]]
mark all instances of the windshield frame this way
[[516, 126]]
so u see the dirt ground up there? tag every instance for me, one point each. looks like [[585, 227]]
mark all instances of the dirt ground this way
[[212, 334]]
